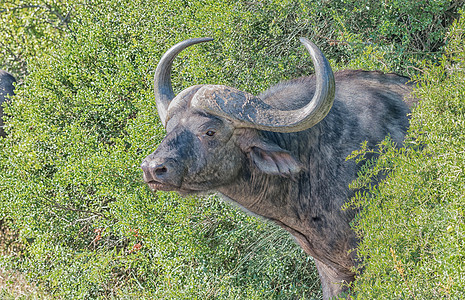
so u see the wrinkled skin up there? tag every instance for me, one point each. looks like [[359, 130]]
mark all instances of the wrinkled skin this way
[[298, 180], [6, 89]]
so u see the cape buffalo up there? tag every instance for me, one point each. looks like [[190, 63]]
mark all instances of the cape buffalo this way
[[6, 88], [282, 154]]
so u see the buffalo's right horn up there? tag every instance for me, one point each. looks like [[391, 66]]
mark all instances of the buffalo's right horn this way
[[162, 79], [247, 110]]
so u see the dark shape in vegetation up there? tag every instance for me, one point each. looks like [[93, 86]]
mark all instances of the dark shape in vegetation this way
[[281, 155], [6, 89]]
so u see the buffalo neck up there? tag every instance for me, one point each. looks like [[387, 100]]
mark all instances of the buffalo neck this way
[[303, 204]]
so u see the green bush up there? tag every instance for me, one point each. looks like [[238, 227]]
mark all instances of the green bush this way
[[413, 224], [28, 28], [84, 118], [81, 123], [392, 35]]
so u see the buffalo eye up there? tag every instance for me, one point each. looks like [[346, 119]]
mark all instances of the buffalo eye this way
[[210, 133]]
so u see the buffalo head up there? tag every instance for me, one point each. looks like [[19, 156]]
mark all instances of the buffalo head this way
[[213, 130]]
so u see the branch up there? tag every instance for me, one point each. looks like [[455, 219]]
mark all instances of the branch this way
[[69, 208], [63, 19], [10, 51], [21, 7]]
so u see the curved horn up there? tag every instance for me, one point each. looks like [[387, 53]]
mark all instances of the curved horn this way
[[250, 111], [162, 79]]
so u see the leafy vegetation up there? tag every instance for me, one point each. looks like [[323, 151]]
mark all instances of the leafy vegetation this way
[[413, 223], [28, 28], [84, 118]]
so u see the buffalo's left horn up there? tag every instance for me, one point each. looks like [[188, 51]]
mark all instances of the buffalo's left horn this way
[[247, 110], [162, 79]]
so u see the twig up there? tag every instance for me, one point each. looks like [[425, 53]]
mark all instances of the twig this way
[[400, 269], [56, 205], [20, 7]]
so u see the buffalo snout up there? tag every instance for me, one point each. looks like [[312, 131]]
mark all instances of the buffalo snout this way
[[162, 174]]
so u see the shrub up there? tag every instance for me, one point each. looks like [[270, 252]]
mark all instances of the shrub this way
[[79, 127], [28, 28], [413, 224]]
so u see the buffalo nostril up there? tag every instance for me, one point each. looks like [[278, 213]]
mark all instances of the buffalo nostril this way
[[160, 171]]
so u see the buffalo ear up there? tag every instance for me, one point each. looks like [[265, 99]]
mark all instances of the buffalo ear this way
[[269, 157], [275, 162]]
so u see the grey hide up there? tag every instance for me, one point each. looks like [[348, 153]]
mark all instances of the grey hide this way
[[299, 180], [6, 88]]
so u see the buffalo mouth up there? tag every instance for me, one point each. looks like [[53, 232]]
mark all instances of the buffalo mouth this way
[[158, 186]]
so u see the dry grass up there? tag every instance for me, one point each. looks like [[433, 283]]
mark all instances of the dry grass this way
[[13, 285]]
